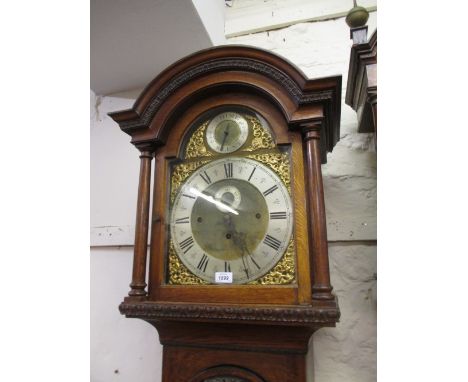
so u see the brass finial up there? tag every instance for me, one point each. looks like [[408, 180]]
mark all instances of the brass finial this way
[[357, 16]]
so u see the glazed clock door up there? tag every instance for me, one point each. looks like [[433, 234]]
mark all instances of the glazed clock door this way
[[230, 215]]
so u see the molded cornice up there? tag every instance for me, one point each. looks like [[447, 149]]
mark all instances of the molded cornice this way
[[233, 68]]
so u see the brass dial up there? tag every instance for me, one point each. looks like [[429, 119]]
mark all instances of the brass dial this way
[[231, 215], [227, 132]]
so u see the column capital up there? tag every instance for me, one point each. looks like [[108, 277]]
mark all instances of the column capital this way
[[310, 129], [147, 154], [146, 147], [311, 134], [315, 124]]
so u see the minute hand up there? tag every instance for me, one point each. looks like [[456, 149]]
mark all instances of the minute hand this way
[[226, 133]]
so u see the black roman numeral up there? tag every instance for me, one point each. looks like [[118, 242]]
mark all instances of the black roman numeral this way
[[189, 196], [186, 244], [272, 242], [182, 220], [250, 177], [253, 261], [206, 178], [203, 263], [228, 170], [277, 215], [270, 190], [227, 267]]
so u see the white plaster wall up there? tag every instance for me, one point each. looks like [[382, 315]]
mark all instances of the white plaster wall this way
[[345, 353], [114, 167], [252, 16], [122, 349], [211, 13]]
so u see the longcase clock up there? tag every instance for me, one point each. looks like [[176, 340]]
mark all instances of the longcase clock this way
[[238, 276]]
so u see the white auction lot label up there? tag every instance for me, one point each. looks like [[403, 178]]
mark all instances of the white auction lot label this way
[[223, 277]]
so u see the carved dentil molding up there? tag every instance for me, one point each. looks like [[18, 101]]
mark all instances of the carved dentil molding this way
[[244, 64], [307, 315]]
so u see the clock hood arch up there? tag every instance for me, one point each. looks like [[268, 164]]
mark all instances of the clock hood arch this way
[[244, 69]]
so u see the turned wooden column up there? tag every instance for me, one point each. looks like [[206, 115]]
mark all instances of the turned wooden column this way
[[138, 283], [321, 288]]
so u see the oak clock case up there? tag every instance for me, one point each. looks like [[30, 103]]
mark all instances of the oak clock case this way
[[231, 218], [233, 139]]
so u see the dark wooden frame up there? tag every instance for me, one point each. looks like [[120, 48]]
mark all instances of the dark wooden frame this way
[[302, 113], [361, 88], [233, 294]]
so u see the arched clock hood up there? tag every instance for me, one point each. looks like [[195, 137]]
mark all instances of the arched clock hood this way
[[246, 70]]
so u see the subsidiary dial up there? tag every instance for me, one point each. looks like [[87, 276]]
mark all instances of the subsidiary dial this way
[[227, 132]]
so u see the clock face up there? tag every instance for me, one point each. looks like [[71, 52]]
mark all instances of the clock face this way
[[231, 215], [227, 132]]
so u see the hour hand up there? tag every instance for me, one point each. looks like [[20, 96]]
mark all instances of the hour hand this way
[[240, 241], [226, 133], [238, 238]]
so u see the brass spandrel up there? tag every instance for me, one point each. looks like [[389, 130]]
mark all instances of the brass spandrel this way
[[178, 272], [260, 136], [180, 173], [284, 272], [196, 146]]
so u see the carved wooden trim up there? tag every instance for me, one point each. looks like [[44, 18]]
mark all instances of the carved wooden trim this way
[[222, 65], [149, 146], [228, 62], [287, 315]]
